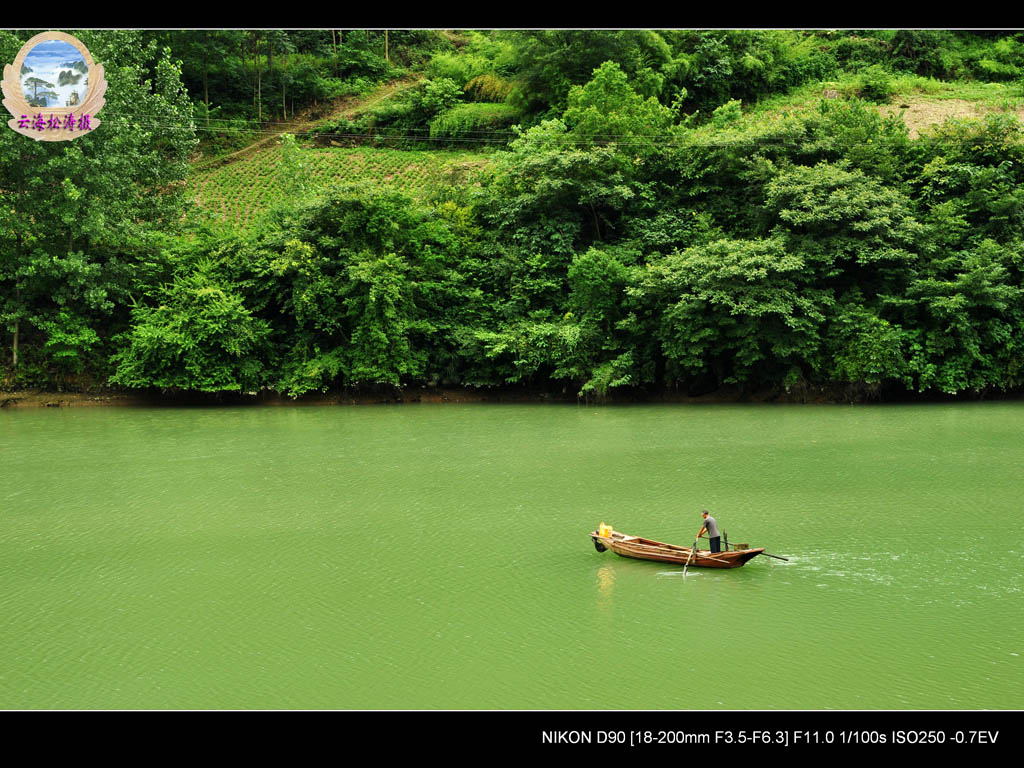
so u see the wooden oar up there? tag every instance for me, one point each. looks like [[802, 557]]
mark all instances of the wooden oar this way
[[692, 550]]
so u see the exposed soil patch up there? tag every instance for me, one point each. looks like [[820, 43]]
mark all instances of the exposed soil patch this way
[[921, 115], [37, 398]]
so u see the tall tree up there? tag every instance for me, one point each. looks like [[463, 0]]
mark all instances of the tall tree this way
[[81, 221]]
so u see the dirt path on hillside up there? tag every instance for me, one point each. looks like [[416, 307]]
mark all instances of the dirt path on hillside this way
[[344, 107]]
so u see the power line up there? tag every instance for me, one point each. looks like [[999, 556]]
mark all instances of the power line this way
[[485, 137]]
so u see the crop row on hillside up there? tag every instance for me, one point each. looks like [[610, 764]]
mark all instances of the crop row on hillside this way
[[236, 194]]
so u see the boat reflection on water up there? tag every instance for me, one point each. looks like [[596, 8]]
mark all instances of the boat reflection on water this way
[[605, 582]]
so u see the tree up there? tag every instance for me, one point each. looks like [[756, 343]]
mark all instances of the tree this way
[[567, 183], [965, 311], [81, 222], [361, 289], [36, 83], [549, 63], [742, 311], [608, 110], [199, 336]]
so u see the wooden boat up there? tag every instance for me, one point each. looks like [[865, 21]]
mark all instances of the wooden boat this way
[[648, 549]]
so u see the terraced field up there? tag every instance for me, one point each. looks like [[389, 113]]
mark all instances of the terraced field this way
[[237, 193]]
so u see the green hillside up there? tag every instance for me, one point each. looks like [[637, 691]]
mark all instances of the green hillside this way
[[236, 193], [823, 213]]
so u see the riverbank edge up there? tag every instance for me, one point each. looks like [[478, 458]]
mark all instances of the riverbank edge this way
[[387, 395]]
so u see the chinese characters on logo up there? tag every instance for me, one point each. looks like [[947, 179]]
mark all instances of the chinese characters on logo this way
[[56, 122]]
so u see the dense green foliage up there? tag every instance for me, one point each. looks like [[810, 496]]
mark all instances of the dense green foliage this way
[[636, 229], [469, 121], [83, 223]]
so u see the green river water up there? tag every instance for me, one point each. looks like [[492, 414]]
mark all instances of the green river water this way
[[436, 556]]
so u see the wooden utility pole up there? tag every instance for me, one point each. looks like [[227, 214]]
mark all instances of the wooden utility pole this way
[[259, 82], [386, 57], [206, 87], [244, 53]]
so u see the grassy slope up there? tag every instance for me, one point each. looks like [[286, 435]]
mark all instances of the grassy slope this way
[[235, 190], [922, 101], [238, 193]]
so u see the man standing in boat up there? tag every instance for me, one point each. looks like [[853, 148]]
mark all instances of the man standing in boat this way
[[712, 528]]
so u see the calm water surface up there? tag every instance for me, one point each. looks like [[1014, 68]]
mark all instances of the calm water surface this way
[[436, 556]]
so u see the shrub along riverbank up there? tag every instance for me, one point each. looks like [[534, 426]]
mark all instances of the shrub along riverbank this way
[[418, 394]]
